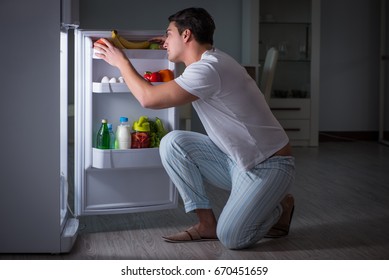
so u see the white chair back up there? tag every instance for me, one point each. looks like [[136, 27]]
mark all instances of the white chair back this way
[[268, 72]]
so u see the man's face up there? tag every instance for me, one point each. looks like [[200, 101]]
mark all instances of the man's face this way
[[174, 43]]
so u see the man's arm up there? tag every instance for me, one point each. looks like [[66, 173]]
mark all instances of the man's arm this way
[[168, 94]]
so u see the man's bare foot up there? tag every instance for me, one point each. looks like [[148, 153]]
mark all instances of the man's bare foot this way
[[281, 228], [206, 226]]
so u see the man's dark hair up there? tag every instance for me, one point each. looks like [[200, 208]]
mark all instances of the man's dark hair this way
[[198, 21]]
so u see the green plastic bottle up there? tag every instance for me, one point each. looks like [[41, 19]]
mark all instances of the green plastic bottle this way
[[111, 136], [103, 137]]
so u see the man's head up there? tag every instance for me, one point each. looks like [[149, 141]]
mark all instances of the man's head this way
[[198, 21]]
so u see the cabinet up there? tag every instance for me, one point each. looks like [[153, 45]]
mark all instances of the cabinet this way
[[294, 115], [293, 28]]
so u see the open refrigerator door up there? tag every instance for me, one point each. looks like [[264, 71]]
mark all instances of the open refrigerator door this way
[[110, 181], [69, 225]]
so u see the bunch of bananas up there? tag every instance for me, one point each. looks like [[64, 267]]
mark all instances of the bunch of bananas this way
[[122, 43]]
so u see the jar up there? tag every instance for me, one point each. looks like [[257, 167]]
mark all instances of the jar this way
[[140, 137]]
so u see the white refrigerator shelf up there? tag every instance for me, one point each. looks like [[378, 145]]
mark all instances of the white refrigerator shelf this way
[[111, 87], [140, 54], [131, 158]]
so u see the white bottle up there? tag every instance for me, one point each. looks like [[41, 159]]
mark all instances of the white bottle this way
[[123, 135]]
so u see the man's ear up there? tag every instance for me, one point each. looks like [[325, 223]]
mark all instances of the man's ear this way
[[186, 34]]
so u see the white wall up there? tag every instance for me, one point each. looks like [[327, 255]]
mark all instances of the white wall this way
[[349, 65]]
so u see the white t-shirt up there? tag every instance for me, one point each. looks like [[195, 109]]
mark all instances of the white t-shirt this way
[[232, 109]]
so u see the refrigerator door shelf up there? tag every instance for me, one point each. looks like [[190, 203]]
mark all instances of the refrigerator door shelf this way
[[127, 190], [131, 158], [69, 234], [112, 87], [140, 54]]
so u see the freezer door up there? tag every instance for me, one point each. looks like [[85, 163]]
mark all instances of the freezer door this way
[[116, 181]]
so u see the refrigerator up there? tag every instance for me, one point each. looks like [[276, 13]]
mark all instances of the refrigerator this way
[[38, 174], [34, 163], [113, 181]]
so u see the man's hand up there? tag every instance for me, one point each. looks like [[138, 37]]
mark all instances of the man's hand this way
[[110, 53], [159, 40]]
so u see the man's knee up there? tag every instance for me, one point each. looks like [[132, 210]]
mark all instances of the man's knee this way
[[170, 143], [232, 241], [168, 140]]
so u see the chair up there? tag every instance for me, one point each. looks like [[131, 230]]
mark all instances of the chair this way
[[268, 72]]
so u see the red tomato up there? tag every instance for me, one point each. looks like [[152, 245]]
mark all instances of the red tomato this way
[[152, 76]]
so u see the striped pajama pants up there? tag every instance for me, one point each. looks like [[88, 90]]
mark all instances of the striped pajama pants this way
[[191, 159]]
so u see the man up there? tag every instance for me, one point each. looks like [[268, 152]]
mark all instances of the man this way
[[245, 150]]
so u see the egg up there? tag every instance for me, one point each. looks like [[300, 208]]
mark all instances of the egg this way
[[121, 80], [113, 80], [105, 79]]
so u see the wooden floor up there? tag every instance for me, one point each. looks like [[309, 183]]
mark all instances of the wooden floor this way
[[342, 212]]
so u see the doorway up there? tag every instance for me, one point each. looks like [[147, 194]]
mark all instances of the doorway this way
[[384, 76]]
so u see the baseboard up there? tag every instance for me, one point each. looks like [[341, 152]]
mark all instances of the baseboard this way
[[347, 136]]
